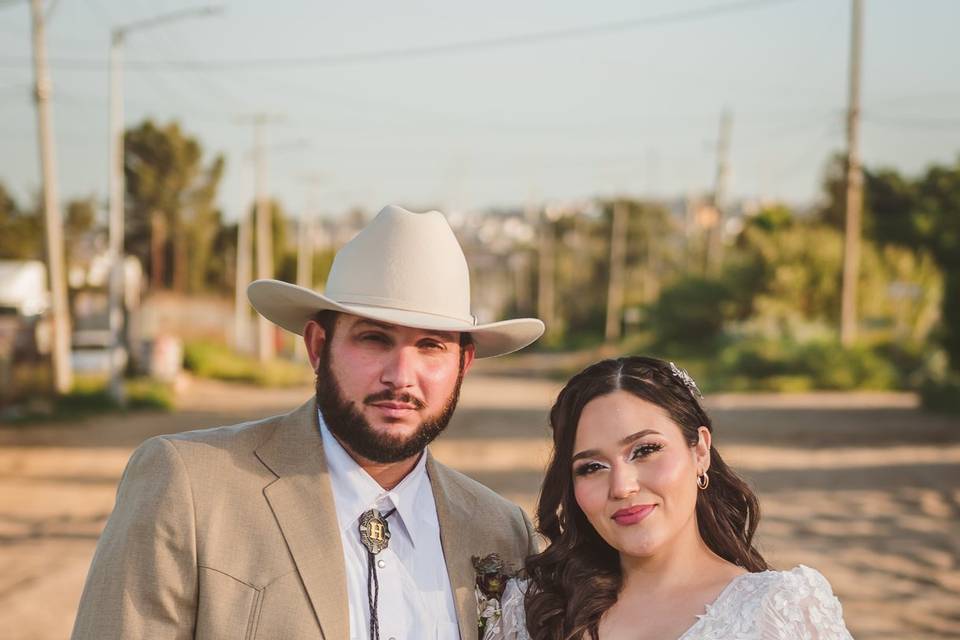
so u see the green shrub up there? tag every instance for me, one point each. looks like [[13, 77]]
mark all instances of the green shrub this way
[[942, 395], [834, 367], [782, 365], [147, 393], [211, 360], [90, 396], [690, 311]]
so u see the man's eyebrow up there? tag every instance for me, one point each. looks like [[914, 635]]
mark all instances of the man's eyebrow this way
[[590, 453], [376, 323], [447, 336]]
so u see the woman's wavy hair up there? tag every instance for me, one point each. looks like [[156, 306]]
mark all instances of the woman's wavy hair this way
[[577, 577]]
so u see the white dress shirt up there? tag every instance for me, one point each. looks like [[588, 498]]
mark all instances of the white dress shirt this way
[[415, 601]]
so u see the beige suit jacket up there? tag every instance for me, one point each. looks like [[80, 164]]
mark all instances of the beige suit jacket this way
[[231, 533]]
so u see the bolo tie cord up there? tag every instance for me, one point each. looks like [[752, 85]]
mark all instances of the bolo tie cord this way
[[373, 588]]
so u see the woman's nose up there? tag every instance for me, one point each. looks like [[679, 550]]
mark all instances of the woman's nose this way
[[623, 481]]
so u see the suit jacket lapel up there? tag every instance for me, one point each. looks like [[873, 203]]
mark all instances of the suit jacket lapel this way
[[302, 502], [454, 513]]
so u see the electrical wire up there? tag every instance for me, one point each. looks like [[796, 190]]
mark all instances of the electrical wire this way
[[497, 42]]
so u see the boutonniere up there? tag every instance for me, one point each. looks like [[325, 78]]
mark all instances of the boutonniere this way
[[492, 579]]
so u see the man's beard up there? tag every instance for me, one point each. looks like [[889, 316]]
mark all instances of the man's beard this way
[[354, 431]]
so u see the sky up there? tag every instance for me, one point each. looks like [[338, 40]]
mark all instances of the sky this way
[[369, 104]]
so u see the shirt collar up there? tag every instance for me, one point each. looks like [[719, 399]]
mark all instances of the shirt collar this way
[[355, 491]]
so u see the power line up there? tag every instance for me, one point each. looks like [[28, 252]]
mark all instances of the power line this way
[[914, 122], [519, 40]]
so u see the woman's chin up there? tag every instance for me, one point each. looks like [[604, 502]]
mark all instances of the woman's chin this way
[[637, 544]]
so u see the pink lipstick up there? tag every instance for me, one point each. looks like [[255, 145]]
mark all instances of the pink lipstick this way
[[632, 515]]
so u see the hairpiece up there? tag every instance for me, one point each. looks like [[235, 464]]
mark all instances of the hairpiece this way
[[686, 379]]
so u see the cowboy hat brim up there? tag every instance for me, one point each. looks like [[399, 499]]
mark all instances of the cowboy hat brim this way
[[290, 307]]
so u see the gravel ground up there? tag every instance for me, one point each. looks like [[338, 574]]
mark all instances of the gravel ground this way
[[864, 487]]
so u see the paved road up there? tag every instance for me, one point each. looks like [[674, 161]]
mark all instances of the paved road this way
[[864, 487]]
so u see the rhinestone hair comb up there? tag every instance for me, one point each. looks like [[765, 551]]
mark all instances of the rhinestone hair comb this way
[[686, 379]]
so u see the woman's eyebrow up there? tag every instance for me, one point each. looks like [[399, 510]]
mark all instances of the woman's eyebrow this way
[[636, 436], [590, 453]]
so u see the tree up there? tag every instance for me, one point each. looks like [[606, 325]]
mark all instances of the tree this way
[[80, 220], [284, 256], [936, 221], [887, 198], [202, 221], [170, 198], [21, 231], [919, 214], [784, 276]]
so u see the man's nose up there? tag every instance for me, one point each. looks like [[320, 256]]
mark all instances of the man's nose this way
[[398, 371], [623, 481]]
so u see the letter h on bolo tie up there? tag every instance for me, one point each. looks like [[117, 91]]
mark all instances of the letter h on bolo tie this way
[[375, 536]]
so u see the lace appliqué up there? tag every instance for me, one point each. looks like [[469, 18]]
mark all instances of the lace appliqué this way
[[771, 605]]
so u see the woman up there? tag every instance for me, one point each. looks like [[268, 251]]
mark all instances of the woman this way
[[650, 532]]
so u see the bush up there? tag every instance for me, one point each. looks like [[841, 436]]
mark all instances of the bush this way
[[692, 310], [780, 365], [909, 360], [146, 393], [212, 360], [943, 395], [90, 396], [834, 367]]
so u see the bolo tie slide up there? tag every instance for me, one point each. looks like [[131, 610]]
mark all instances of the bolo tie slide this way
[[375, 536]]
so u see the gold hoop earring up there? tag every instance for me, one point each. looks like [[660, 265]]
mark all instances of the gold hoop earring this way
[[703, 481]]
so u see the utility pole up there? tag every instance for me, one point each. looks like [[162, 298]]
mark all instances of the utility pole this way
[[305, 240], [689, 228], [244, 275], [115, 221], [306, 230], [715, 246], [117, 183], [618, 253], [304, 266], [854, 199], [546, 304], [265, 346], [53, 218]]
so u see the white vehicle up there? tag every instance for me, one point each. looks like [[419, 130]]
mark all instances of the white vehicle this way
[[23, 286]]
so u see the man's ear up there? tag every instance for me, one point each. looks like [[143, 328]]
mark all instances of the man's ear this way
[[469, 353], [314, 337]]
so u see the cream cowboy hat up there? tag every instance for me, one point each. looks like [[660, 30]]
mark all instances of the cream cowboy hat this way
[[404, 268]]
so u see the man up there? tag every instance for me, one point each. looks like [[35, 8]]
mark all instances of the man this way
[[332, 521]]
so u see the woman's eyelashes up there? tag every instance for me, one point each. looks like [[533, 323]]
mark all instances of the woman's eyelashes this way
[[637, 453], [644, 450], [588, 468]]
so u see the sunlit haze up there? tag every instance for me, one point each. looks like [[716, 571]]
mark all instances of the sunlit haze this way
[[590, 99]]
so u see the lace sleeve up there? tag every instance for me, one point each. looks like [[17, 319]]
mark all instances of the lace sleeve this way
[[801, 605], [512, 623]]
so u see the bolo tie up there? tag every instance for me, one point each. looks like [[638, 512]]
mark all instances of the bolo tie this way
[[375, 536]]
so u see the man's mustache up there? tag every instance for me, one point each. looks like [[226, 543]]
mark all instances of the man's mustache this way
[[388, 395]]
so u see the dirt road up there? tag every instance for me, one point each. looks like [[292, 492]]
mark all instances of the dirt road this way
[[864, 487]]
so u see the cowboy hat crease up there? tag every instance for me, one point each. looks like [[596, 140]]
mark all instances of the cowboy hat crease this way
[[406, 269]]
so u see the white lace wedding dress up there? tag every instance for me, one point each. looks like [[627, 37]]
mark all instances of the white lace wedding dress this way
[[771, 605]]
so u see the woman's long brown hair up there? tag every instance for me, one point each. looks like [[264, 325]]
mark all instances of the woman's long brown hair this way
[[577, 577]]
